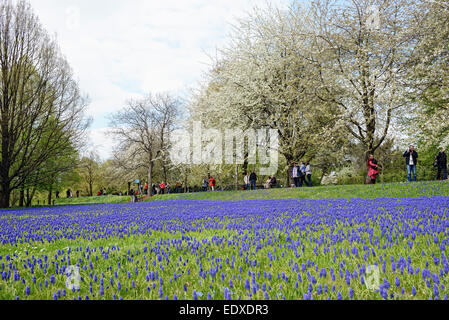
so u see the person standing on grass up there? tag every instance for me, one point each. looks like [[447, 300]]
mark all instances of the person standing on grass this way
[[253, 180], [205, 184], [146, 188], [309, 174], [246, 180], [441, 162], [411, 160], [296, 175], [168, 188], [131, 193], [162, 186], [373, 170], [212, 183], [154, 190]]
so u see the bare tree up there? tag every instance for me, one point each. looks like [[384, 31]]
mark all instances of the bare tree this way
[[41, 105], [143, 130], [90, 170]]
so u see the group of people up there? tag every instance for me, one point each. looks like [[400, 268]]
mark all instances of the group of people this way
[[301, 173], [209, 183], [411, 161], [270, 183], [102, 192], [69, 194], [250, 180]]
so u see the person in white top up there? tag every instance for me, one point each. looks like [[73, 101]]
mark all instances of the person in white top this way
[[246, 181], [309, 174], [296, 175]]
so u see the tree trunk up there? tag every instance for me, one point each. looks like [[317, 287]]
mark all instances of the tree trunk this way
[[245, 163], [150, 177], [185, 182], [236, 177], [91, 189], [49, 197], [289, 159], [30, 196], [4, 196], [164, 168], [21, 198], [323, 173], [28, 200]]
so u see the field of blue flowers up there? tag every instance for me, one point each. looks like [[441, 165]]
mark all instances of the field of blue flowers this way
[[385, 248]]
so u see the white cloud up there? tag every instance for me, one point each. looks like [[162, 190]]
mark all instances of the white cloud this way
[[99, 141], [123, 49]]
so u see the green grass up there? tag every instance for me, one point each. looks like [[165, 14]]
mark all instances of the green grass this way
[[187, 264], [92, 200], [391, 190], [184, 260]]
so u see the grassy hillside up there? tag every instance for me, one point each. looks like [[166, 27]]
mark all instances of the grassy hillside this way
[[92, 200], [393, 190]]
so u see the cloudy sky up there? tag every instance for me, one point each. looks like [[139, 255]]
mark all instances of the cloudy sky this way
[[123, 49]]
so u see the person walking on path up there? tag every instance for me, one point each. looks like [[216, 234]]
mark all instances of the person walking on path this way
[[309, 174], [441, 162], [246, 180], [373, 170], [296, 175], [146, 188], [131, 193], [411, 160]]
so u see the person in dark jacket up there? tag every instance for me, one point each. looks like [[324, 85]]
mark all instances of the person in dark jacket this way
[[442, 165], [253, 180], [411, 160]]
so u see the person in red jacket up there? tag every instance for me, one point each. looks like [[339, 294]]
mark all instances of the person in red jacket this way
[[162, 186], [212, 183], [373, 169], [146, 188]]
